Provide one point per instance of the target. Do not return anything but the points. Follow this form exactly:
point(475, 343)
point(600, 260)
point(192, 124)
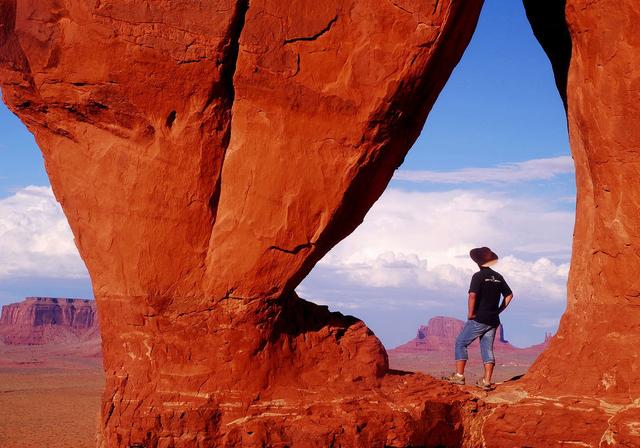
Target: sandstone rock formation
point(44, 320)
point(599, 330)
point(207, 154)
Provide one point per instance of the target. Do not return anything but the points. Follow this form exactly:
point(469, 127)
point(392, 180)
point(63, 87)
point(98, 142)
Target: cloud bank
point(35, 238)
point(418, 238)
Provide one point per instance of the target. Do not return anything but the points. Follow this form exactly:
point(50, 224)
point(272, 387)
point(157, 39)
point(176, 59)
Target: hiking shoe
point(454, 378)
point(482, 384)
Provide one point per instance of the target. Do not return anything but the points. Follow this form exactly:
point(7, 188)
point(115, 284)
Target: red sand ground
point(48, 399)
point(440, 363)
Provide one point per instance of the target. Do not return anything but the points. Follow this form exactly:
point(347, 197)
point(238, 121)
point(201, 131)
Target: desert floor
point(48, 399)
point(438, 364)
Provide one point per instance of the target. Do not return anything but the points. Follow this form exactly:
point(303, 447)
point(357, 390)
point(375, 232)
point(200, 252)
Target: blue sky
point(500, 104)
point(20, 159)
point(491, 167)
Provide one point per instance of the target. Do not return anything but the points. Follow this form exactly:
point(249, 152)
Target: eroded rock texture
point(207, 154)
point(601, 326)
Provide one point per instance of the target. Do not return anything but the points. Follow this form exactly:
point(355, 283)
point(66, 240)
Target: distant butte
point(440, 333)
point(208, 154)
point(46, 320)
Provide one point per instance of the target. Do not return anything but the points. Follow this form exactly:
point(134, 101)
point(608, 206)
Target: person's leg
point(460, 365)
point(486, 350)
point(466, 336)
point(469, 333)
point(488, 371)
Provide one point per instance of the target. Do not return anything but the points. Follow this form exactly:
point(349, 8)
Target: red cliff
point(43, 320)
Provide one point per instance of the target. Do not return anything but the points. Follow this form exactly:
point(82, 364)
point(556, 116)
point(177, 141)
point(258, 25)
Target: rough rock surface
point(598, 334)
point(44, 320)
point(206, 155)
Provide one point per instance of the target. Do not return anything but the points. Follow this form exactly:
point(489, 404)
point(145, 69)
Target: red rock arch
point(208, 154)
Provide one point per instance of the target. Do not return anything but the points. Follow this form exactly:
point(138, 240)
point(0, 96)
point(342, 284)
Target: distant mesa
point(440, 335)
point(46, 320)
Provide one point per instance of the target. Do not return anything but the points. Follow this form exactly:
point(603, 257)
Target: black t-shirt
point(488, 286)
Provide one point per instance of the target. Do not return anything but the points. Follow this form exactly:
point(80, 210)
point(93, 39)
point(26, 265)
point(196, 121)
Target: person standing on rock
point(483, 319)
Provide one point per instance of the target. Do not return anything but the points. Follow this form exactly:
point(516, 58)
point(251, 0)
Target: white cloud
point(535, 169)
point(418, 240)
point(546, 322)
point(35, 239)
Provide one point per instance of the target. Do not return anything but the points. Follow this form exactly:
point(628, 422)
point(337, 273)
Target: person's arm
point(507, 294)
point(505, 303)
point(472, 305)
point(474, 289)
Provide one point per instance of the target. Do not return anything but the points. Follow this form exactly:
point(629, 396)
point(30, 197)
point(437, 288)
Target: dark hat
point(482, 255)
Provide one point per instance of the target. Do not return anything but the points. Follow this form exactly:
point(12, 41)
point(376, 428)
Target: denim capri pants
point(470, 332)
